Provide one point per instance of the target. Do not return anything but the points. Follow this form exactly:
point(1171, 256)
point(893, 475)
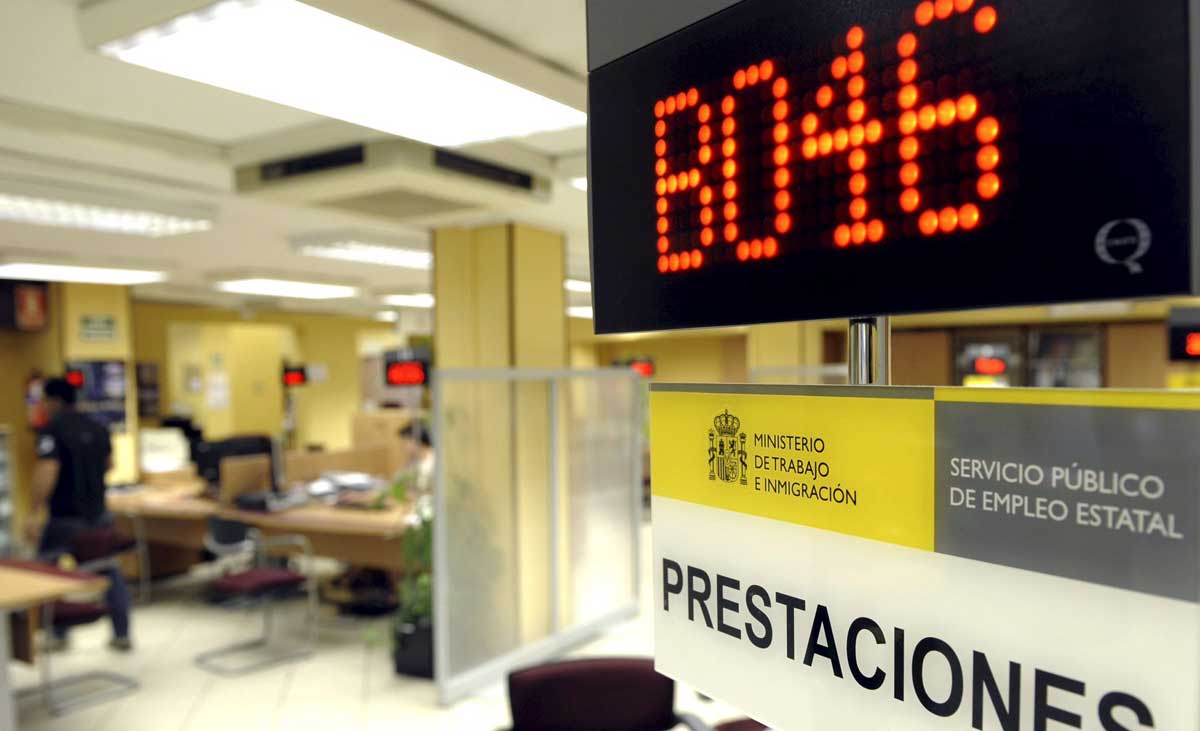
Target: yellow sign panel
point(860, 465)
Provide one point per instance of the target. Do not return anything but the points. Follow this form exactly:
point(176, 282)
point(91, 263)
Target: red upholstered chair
point(260, 584)
point(103, 547)
point(601, 694)
point(740, 724)
point(67, 614)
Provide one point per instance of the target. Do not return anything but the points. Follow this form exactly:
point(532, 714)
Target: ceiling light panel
point(580, 183)
point(578, 286)
point(369, 253)
point(66, 214)
point(294, 54)
point(270, 287)
point(420, 301)
point(37, 272)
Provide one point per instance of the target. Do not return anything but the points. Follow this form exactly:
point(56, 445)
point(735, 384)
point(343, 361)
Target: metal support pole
point(870, 351)
point(883, 351)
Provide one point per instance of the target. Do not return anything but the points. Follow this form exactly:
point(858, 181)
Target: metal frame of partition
point(453, 688)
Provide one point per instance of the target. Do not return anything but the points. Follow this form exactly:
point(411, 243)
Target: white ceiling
point(143, 134)
point(44, 63)
point(555, 30)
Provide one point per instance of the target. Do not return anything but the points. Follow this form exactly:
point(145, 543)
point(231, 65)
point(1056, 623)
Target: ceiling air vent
point(480, 169)
point(316, 162)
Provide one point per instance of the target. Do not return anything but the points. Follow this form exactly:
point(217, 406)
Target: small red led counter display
point(406, 373)
point(1183, 334)
point(875, 118)
point(295, 376)
point(784, 160)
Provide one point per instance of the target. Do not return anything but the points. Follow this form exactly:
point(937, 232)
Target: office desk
point(359, 537)
point(22, 589)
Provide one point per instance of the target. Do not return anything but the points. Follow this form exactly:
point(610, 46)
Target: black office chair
point(262, 584)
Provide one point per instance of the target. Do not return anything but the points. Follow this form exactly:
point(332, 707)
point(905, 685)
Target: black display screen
point(790, 161)
point(1184, 334)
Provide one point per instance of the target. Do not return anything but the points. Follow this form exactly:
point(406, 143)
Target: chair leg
point(49, 689)
point(213, 660)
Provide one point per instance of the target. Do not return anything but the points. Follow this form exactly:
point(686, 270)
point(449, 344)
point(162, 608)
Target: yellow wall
point(324, 410)
point(684, 359)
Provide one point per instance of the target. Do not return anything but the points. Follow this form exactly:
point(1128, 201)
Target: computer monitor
point(208, 456)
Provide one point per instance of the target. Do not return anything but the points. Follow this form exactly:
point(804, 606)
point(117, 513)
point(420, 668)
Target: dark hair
point(61, 389)
point(410, 431)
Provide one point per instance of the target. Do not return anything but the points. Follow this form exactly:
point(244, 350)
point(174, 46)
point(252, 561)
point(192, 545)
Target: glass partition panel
point(537, 507)
point(603, 460)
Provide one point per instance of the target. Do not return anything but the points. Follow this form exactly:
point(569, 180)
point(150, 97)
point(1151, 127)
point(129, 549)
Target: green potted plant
point(412, 629)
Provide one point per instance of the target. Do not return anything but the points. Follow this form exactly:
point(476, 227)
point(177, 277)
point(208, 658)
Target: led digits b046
point(733, 159)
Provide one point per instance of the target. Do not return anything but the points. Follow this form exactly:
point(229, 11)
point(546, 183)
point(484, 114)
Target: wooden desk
point(24, 589)
point(359, 537)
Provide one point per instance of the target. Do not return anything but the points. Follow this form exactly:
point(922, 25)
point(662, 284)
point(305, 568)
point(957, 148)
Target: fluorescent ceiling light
point(422, 301)
point(583, 313)
point(578, 285)
point(270, 287)
point(369, 253)
point(49, 212)
point(31, 271)
point(580, 183)
point(291, 53)
point(387, 316)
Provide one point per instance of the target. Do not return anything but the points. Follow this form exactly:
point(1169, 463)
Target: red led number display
point(707, 147)
point(406, 373)
point(1193, 344)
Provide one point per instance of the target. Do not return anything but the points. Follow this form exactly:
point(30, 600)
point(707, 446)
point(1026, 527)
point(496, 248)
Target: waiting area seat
point(601, 694)
point(261, 584)
point(59, 616)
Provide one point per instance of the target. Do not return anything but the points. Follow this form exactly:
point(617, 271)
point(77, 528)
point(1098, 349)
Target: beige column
point(782, 352)
point(501, 304)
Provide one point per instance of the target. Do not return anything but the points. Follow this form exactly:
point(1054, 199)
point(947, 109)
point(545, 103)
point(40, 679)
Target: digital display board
point(1184, 334)
point(295, 376)
point(405, 373)
point(789, 161)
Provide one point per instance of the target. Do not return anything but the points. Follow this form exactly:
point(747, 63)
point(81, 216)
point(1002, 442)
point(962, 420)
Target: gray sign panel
point(1103, 495)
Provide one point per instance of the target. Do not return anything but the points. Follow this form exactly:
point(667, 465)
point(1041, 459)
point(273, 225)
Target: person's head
point(416, 438)
point(59, 394)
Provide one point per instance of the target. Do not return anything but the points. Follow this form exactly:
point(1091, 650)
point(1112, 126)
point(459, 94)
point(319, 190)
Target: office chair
point(601, 694)
point(65, 615)
point(261, 583)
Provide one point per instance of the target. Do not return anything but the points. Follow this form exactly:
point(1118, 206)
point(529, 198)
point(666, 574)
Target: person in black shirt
point(73, 454)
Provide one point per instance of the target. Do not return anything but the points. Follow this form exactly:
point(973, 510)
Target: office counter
point(177, 517)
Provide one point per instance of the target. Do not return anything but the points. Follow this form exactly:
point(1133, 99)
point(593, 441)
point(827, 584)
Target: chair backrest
point(228, 537)
point(601, 694)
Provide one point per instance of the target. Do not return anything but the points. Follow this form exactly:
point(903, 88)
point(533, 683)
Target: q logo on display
point(1124, 241)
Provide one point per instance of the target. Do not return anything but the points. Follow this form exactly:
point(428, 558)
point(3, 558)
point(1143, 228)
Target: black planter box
point(413, 650)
